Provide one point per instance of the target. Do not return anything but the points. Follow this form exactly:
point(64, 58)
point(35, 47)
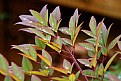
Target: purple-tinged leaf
point(119, 45)
point(46, 30)
point(66, 41)
point(65, 30)
point(38, 17)
point(66, 64)
point(89, 33)
point(113, 43)
point(17, 71)
point(32, 52)
point(56, 13)
point(26, 64)
point(92, 25)
point(47, 55)
point(109, 62)
point(58, 41)
point(76, 16)
point(3, 63)
point(85, 62)
point(87, 46)
point(113, 77)
point(35, 78)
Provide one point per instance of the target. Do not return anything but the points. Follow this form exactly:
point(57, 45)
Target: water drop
point(52, 24)
point(30, 22)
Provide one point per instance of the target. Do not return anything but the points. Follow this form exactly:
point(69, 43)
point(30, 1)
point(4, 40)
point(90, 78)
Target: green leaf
point(26, 64)
point(40, 43)
point(66, 64)
point(32, 52)
point(65, 30)
point(109, 62)
point(46, 30)
point(100, 69)
point(8, 78)
point(113, 43)
point(53, 22)
point(119, 45)
point(88, 72)
point(90, 53)
point(77, 74)
point(17, 72)
point(38, 17)
point(104, 51)
point(87, 46)
point(48, 37)
point(92, 25)
point(85, 62)
point(35, 78)
point(3, 63)
point(112, 77)
point(66, 41)
point(72, 77)
point(89, 33)
point(58, 41)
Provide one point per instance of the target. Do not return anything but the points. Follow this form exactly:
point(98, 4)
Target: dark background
point(9, 15)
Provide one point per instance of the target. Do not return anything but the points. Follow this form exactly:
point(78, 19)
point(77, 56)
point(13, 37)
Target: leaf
point(21, 48)
point(46, 30)
point(92, 25)
point(59, 79)
point(87, 46)
point(47, 55)
point(119, 45)
point(109, 62)
point(65, 30)
point(100, 69)
point(48, 37)
point(88, 72)
point(52, 22)
point(89, 33)
point(38, 17)
point(66, 41)
point(8, 78)
point(3, 63)
point(85, 62)
point(45, 59)
point(112, 77)
point(76, 16)
point(56, 13)
point(17, 72)
point(65, 71)
point(28, 56)
point(41, 73)
point(32, 52)
point(77, 74)
point(26, 64)
point(40, 43)
point(72, 77)
point(104, 51)
point(66, 64)
point(90, 53)
point(58, 41)
point(113, 43)
point(76, 33)
point(35, 78)
point(2, 71)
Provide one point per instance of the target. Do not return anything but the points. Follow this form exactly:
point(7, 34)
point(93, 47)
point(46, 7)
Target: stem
point(76, 63)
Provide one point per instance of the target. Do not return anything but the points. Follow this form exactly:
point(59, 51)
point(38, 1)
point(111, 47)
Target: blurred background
point(11, 9)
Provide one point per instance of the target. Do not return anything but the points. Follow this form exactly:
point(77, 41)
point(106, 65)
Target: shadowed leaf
point(35, 78)
point(112, 77)
point(85, 62)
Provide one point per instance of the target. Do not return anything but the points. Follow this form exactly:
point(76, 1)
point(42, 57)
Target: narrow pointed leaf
point(100, 69)
point(112, 77)
point(35, 78)
point(109, 62)
point(59, 42)
point(119, 45)
point(26, 64)
point(3, 63)
point(66, 64)
point(92, 25)
point(89, 33)
point(17, 72)
point(113, 43)
point(38, 17)
point(45, 59)
point(72, 77)
point(77, 74)
point(76, 16)
point(40, 43)
point(88, 72)
point(87, 46)
point(65, 30)
point(65, 71)
point(32, 52)
point(85, 62)
point(35, 73)
point(66, 41)
point(48, 37)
